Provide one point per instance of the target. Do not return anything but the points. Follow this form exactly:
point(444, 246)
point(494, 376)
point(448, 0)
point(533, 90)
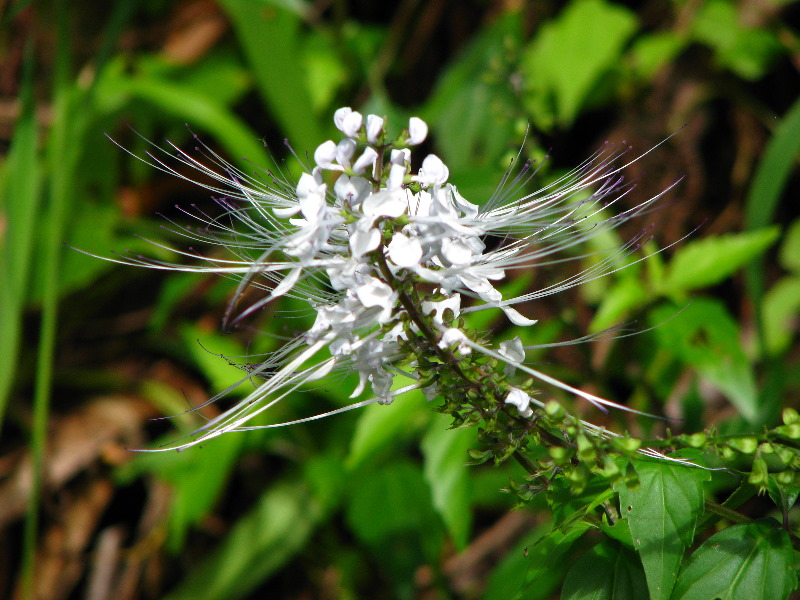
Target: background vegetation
point(377, 503)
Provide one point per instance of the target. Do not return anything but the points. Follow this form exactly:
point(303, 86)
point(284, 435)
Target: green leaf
point(607, 571)
point(571, 55)
point(745, 51)
point(752, 561)
point(469, 109)
point(662, 513)
point(261, 542)
point(20, 198)
point(445, 453)
point(711, 260)
point(704, 337)
point(389, 510)
point(380, 426)
point(651, 52)
point(626, 295)
point(789, 256)
point(780, 309)
point(271, 38)
point(545, 556)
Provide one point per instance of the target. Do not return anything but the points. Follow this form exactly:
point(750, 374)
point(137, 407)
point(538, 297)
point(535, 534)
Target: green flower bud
point(785, 477)
point(586, 451)
point(559, 454)
point(727, 453)
point(745, 445)
point(626, 444)
point(758, 475)
point(790, 416)
point(554, 410)
point(697, 440)
point(791, 431)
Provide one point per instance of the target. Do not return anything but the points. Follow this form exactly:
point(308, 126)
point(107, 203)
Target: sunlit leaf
point(571, 54)
point(445, 452)
point(708, 261)
point(662, 513)
point(705, 338)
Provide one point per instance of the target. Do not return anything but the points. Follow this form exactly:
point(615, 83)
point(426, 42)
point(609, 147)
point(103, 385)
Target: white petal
point(325, 154)
point(340, 115)
point(397, 175)
point(367, 159)
point(433, 171)
point(374, 292)
point(405, 251)
point(363, 240)
point(286, 212)
point(351, 124)
point(417, 131)
point(517, 318)
point(513, 349)
point(387, 203)
point(521, 400)
point(456, 252)
point(374, 128)
point(287, 283)
point(345, 151)
point(453, 303)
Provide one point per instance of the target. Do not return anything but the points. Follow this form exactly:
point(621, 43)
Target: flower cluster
point(392, 260)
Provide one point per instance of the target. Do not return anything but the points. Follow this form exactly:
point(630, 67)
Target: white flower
point(367, 159)
point(405, 251)
point(454, 336)
point(374, 128)
point(433, 171)
point(325, 154)
point(390, 271)
point(522, 401)
point(417, 131)
point(347, 121)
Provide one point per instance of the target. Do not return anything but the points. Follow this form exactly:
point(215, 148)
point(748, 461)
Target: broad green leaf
point(790, 248)
point(780, 309)
point(750, 561)
point(261, 542)
point(571, 55)
point(651, 52)
point(379, 426)
point(389, 510)
point(626, 295)
point(745, 51)
point(608, 571)
point(545, 558)
point(704, 337)
point(388, 500)
point(469, 110)
point(216, 355)
point(197, 478)
point(445, 453)
point(20, 197)
point(711, 260)
point(662, 513)
point(272, 40)
point(765, 193)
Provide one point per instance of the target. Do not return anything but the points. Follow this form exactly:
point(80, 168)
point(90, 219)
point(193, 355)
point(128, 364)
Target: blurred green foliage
point(379, 503)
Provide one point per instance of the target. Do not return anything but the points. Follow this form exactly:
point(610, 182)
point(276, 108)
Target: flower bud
point(345, 151)
point(745, 445)
point(367, 159)
point(325, 154)
point(790, 416)
point(417, 131)
point(374, 128)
